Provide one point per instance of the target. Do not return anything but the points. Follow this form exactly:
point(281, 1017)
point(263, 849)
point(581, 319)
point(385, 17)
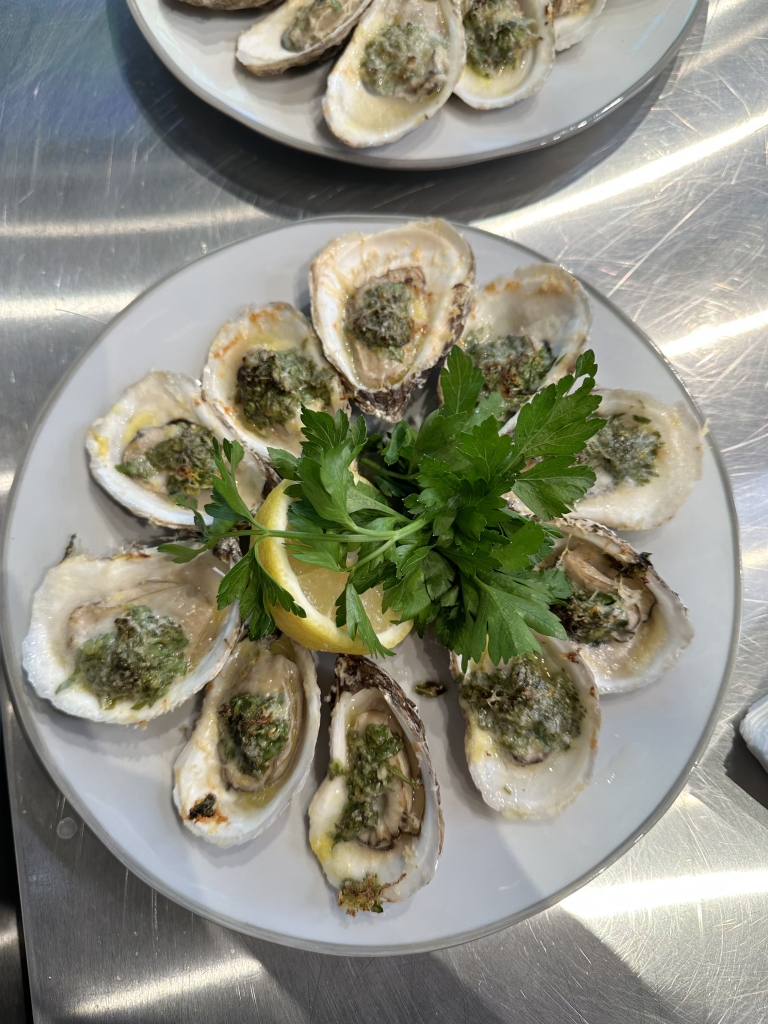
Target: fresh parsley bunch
point(430, 523)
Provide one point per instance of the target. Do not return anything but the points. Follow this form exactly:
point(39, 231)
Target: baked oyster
point(253, 745)
point(531, 729)
point(399, 68)
point(526, 331)
point(375, 823)
point(297, 32)
point(646, 459)
point(574, 19)
point(510, 51)
point(626, 623)
point(127, 638)
point(389, 306)
point(261, 369)
point(154, 448)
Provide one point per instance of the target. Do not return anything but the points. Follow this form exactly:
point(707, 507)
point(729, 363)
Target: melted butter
point(140, 421)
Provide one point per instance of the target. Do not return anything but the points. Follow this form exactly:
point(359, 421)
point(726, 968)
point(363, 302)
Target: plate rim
point(365, 158)
point(25, 716)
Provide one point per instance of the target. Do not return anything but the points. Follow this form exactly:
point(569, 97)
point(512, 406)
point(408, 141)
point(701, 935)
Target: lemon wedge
point(315, 589)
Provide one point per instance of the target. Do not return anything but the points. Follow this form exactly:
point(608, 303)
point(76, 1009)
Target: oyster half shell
point(525, 778)
point(489, 85)
point(754, 729)
point(624, 620)
point(261, 368)
point(399, 68)
point(298, 32)
point(389, 306)
point(159, 410)
point(646, 459)
point(227, 5)
point(394, 852)
point(574, 19)
point(216, 798)
point(526, 331)
point(84, 604)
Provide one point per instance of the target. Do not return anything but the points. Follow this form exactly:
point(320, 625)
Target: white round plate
point(631, 43)
point(492, 871)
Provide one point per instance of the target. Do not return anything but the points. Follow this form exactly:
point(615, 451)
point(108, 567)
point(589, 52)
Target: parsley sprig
point(430, 523)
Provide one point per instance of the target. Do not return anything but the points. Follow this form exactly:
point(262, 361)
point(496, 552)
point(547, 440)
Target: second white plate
point(492, 871)
point(632, 42)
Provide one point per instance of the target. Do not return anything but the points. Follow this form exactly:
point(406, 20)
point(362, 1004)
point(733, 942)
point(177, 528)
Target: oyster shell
point(388, 307)
point(167, 410)
point(626, 623)
point(647, 460)
point(495, 74)
point(127, 638)
point(574, 19)
point(261, 368)
point(296, 33)
point(534, 773)
point(228, 5)
point(754, 729)
point(387, 849)
point(221, 794)
point(526, 331)
point(399, 68)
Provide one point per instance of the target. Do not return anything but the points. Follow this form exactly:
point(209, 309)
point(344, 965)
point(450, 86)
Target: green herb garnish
point(271, 386)
point(531, 711)
point(591, 618)
point(186, 457)
point(625, 451)
point(253, 731)
point(137, 661)
point(361, 895)
point(431, 689)
point(369, 771)
point(498, 34)
point(405, 60)
point(431, 524)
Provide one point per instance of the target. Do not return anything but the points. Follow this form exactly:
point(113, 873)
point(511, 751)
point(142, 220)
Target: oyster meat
point(399, 68)
point(646, 459)
point(531, 729)
point(510, 51)
point(389, 306)
point(154, 446)
point(253, 745)
point(628, 626)
point(526, 331)
point(296, 33)
point(127, 638)
point(574, 19)
point(261, 369)
point(375, 823)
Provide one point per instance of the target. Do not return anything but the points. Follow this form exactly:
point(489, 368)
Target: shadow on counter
point(292, 184)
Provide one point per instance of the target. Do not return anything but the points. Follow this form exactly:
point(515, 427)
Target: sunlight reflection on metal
point(179, 220)
point(100, 306)
point(630, 897)
point(147, 996)
point(754, 558)
point(703, 337)
point(509, 223)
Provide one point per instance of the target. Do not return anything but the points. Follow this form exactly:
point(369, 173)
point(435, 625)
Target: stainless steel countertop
point(112, 176)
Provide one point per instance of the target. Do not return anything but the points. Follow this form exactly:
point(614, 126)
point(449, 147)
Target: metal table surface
point(113, 175)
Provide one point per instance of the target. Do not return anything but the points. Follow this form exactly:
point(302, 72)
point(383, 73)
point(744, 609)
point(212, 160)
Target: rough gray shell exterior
point(389, 404)
point(228, 5)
